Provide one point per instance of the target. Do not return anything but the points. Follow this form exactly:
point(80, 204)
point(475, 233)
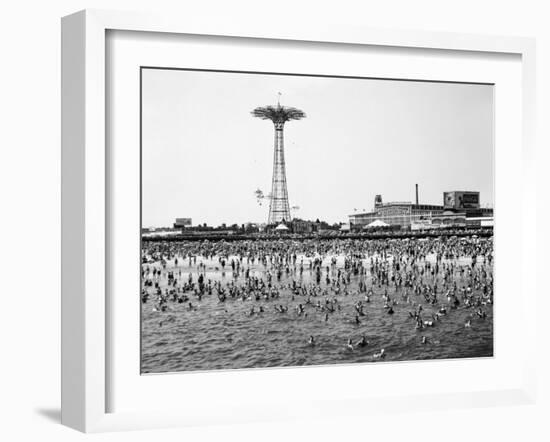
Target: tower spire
point(279, 207)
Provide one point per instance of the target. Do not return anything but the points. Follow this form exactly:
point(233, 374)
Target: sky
point(204, 155)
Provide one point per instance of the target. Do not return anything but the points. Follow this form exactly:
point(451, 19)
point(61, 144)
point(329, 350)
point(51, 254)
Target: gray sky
point(204, 155)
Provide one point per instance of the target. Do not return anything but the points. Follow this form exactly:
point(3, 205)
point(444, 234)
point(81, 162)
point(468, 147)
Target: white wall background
point(30, 214)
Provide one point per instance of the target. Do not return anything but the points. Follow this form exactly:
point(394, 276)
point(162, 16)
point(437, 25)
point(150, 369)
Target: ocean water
point(222, 335)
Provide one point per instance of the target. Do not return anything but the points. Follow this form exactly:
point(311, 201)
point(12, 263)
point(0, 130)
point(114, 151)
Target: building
point(481, 221)
point(457, 207)
point(302, 226)
point(182, 223)
point(467, 202)
point(396, 214)
point(461, 200)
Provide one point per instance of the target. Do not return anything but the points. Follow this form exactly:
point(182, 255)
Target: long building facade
point(453, 212)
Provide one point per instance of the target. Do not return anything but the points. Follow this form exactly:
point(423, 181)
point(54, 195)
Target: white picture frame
point(85, 309)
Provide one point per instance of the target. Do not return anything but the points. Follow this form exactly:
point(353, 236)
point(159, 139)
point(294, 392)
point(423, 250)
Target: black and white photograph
point(305, 220)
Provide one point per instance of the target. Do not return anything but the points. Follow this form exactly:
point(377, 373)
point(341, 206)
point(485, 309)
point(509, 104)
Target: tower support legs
point(279, 208)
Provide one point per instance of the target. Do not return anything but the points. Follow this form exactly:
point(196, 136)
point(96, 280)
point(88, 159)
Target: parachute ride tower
point(279, 207)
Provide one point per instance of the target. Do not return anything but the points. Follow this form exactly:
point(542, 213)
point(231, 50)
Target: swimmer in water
point(311, 341)
point(362, 342)
point(481, 314)
point(380, 355)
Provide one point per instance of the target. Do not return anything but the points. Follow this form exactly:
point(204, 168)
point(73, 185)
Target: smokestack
point(416, 185)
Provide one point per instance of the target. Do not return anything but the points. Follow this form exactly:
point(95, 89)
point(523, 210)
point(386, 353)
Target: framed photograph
point(283, 222)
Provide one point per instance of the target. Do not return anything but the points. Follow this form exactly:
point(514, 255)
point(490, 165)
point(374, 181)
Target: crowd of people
point(324, 280)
